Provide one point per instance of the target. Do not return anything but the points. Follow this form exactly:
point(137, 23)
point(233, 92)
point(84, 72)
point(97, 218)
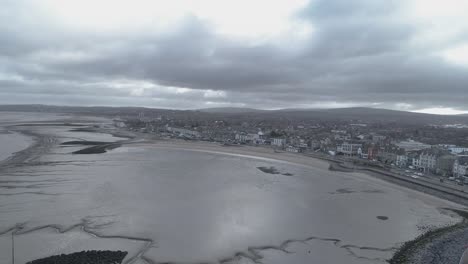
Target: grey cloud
point(360, 53)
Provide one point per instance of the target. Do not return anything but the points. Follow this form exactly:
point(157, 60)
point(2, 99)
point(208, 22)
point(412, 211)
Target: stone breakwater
point(93, 256)
point(444, 245)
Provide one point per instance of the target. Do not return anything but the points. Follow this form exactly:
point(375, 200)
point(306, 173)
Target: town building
point(349, 149)
point(425, 161)
point(364, 153)
point(387, 156)
point(412, 145)
point(457, 150)
point(280, 142)
point(460, 166)
point(401, 160)
point(293, 149)
point(434, 160)
point(183, 132)
point(372, 152)
point(241, 137)
point(254, 138)
point(378, 138)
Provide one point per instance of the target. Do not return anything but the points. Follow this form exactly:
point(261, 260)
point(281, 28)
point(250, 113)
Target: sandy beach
point(220, 204)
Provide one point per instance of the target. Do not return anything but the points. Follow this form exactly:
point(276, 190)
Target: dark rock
point(84, 257)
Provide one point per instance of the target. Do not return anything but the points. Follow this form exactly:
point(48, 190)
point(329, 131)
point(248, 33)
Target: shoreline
point(431, 244)
point(441, 245)
point(247, 151)
point(441, 192)
point(409, 249)
point(39, 144)
point(19, 142)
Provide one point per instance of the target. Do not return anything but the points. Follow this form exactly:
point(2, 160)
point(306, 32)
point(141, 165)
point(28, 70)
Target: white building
point(183, 132)
point(259, 138)
point(412, 145)
point(250, 138)
point(349, 148)
point(401, 160)
point(280, 142)
point(241, 137)
point(293, 149)
point(457, 150)
point(425, 161)
point(460, 167)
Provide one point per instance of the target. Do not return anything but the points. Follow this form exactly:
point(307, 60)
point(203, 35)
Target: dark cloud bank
point(360, 53)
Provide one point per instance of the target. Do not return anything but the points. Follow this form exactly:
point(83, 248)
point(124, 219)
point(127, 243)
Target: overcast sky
point(185, 54)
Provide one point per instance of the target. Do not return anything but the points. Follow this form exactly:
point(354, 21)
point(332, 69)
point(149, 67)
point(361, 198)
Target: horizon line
point(418, 111)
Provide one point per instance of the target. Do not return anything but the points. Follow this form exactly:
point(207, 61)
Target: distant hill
point(231, 110)
point(364, 115)
point(105, 110)
point(353, 115)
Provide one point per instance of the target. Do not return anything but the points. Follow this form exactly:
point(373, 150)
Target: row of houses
point(437, 160)
point(183, 132)
point(289, 145)
point(251, 138)
point(261, 139)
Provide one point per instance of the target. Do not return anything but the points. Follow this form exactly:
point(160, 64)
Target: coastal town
point(233, 132)
point(438, 151)
point(378, 172)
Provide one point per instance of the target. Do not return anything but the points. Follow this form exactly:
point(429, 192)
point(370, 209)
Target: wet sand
point(12, 142)
point(436, 245)
point(247, 151)
point(191, 202)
